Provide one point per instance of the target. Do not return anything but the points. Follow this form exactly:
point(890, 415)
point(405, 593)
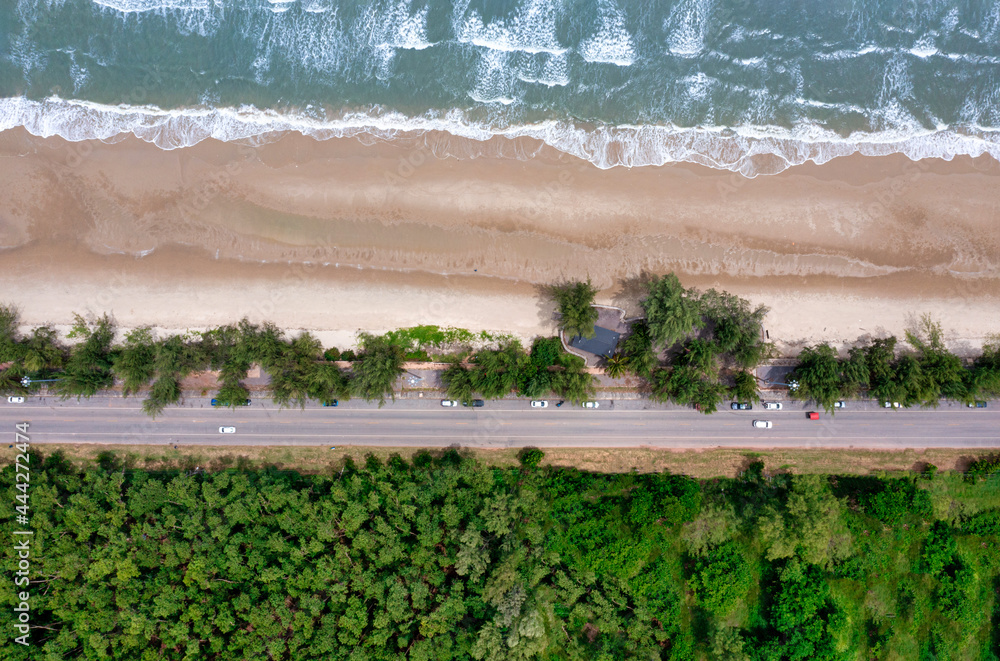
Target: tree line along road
point(503, 423)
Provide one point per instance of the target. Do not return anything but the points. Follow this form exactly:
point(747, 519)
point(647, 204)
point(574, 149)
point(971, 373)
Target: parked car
point(20, 400)
point(477, 403)
point(976, 404)
point(762, 424)
point(891, 405)
point(227, 430)
point(331, 402)
point(772, 406)
point(741, 406)
point(813, 415)
point(448, 402)
point(591, 405)
point(539, 404)
point(840, 405)
point(215, 402)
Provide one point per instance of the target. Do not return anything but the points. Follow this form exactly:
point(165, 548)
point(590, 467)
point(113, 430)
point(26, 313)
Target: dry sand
point(338, 236)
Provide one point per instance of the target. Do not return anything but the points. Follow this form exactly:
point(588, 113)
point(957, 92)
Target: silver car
point(227, 430)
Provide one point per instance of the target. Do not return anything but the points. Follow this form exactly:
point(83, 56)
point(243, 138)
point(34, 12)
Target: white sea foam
point(739, 149)
point(135, 6)
point(686, 27)
point(494, 78)
point(543, 69)
point(924, 48)
point(395, 25)
point(612, 44)
point(531, 30)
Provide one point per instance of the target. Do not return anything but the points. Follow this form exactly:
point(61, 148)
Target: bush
point(332, 354)
point(530, 457)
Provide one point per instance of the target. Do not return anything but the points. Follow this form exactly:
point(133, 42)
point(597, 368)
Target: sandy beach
point(336, 236)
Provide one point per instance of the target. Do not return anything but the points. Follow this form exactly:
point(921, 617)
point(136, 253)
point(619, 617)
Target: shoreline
point(339, 236)
point(749, 149)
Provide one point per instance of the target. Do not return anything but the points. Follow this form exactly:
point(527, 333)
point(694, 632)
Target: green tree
point(745, 387)
point(637, 347)
point(818, 376)
point(577, 315)
point(722, 579)
point(616, 365)
point(672, 312)
point(457, 380)
point(570, 381)
point(134, 363)
point(855, 372)
point(881, 356)
point(10, 319)
point(42, 351)
point(376, 371)
point(942, 372)
point(701, 355)
point(88, 369)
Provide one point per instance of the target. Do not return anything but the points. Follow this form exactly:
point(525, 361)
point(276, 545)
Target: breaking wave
point(749, 150)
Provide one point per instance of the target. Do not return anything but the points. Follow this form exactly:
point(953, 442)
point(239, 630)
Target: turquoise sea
point(746, 85)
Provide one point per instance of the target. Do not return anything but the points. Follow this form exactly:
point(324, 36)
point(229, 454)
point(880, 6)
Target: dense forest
point(445, 558)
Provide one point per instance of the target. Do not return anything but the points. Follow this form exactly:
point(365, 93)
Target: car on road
point(477, 403)
point(762, 424)
point(891, 405)
point(741, 406)
point(227, 430)
point(539, 404)
point(215, 402)
point(591, 405)
point(772, 406)
point(448, 403)
point(15, 400)
point(976, 404)
point(840, 405)
point(812, 415)
point(331, 402)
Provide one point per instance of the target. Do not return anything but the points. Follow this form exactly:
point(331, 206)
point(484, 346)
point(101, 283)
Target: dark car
point(330, 402)
point(476, 403)
point(741, 406)
point(978, 405)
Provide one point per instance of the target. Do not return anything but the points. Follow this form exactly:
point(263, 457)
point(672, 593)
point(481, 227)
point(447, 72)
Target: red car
point(813, 415)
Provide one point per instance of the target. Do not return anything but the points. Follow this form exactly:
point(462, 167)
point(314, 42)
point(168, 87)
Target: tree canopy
point(442, 557)
point(577, 315)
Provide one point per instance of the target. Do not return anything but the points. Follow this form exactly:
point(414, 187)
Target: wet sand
point(338, 236)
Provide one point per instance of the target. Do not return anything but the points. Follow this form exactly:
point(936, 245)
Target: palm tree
point(615, 366)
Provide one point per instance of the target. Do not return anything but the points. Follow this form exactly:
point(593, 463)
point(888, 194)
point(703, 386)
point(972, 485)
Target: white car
point(539, 404)
point(772, 406)
point(449, 402)
point(16, 400)
point(891, 405)
point(227, 430)
point(840, 405)
point(591, 405)
point(762, 424)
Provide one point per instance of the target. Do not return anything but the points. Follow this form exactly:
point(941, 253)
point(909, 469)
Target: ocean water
point(753, 86)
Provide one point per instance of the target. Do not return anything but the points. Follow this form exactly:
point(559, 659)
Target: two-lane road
point(506, 423)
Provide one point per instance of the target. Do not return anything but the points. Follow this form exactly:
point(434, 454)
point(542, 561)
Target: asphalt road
point(505, 423)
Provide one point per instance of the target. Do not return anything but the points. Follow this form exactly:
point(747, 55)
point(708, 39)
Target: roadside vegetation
point(445, 557)
point(690, 348)
point(921, 375)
